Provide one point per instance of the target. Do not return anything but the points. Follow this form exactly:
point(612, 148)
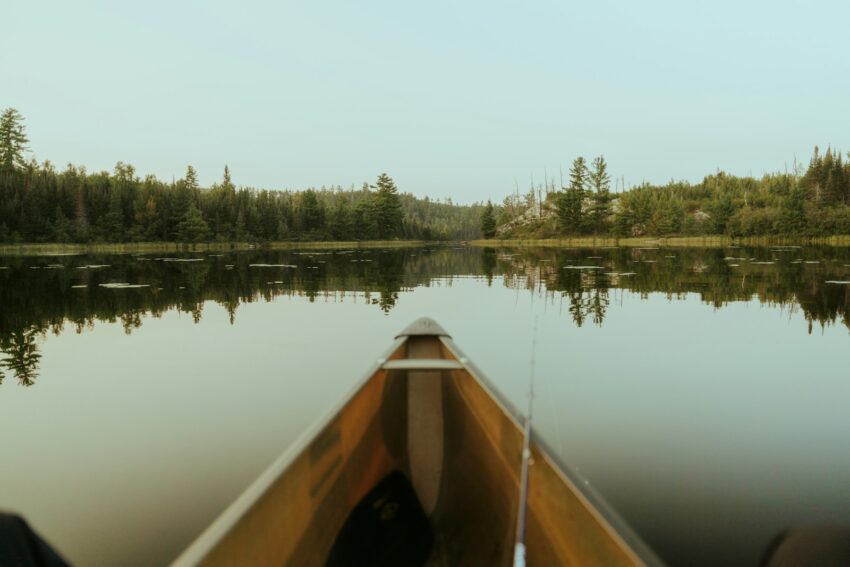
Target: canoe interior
point(460, 448)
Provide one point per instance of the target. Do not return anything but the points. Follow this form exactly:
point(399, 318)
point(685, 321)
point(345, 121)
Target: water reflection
point(43, 294)
point(814, 280)
point(20, 356)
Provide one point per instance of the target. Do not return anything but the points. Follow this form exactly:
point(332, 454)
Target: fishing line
point(522, 507)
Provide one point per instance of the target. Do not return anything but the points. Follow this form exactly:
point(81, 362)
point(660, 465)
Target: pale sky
point(450, 98)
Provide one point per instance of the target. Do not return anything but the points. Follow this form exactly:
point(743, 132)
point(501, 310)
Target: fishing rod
point(522, 509)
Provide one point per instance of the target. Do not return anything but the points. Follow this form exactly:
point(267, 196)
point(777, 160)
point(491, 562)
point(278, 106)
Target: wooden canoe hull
point(459, 444)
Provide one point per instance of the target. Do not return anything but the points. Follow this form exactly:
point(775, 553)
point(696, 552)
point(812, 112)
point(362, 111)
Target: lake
point(704, 392)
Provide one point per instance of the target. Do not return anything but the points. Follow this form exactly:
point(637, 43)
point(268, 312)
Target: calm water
point(703, 392)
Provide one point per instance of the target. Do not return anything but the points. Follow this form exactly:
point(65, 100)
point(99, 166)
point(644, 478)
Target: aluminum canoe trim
point(617, 526)
point(233, 514)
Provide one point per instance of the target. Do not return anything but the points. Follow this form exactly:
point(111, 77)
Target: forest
point(810, 203)
point(39, 203)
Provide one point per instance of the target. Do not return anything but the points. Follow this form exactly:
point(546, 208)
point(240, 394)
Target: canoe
point(419, 465)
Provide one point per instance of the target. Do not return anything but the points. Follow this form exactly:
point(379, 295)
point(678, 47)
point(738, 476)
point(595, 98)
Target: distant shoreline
point(47, 248)
point(54, 248)
point(668, 241)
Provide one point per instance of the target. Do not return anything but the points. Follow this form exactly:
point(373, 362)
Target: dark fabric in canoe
point(388, 528)
point(20, 546)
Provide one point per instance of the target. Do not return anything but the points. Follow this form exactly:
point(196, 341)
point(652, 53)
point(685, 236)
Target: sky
point(453, 99)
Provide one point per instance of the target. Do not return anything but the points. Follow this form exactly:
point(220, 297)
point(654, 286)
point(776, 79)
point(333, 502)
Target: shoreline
point(47, 249)
point(54, 248)
point(664, 242)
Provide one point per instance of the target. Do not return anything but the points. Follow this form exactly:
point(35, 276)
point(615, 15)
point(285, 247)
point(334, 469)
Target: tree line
point(812, 203)
point(39, 203)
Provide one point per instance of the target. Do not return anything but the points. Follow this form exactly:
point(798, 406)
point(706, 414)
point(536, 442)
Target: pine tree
point(571, 199)
point(223, 205)
point(339, 221)
point(310, 212)
point(226, 183)
point(600, 183)
point(363, 220)
point(183, 198)
point(387, 208)
point(113, 222)
point(13, 140)
point(61, 226)
point(812, 181)
point(190, 180)
point(835, 184)
point(193, 227)
point(241, 226)
point(792, 212)
point(488, 221)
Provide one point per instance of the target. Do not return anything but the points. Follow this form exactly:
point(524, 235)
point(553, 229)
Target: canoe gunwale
point(596, 503)
point(201, 547)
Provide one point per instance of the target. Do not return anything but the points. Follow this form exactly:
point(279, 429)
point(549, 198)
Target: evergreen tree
point(812, 181)
point(219, 208)
point(13, 139)
point(339, 221)
point(310, 212)
point(570, 200)
point(77, 182)
point(183, 198)
point(721, 210)
point(226, 182)
point(488, 221)
point(193, 227)
point(792, 212)
point(113, 222)
point(387, 208)
point(600, 183)
point(61, 226)
point(190, 180)
point(241, 226)
point(363, 220)
point(835, 181)
point(598, 177)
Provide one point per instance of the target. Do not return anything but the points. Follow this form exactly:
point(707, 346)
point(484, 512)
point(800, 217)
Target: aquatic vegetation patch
point(122, 285)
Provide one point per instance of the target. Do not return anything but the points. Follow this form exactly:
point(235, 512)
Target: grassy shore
point(46, 249)
point(671, 241)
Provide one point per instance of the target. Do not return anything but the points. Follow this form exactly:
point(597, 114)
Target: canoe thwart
point(422, 364)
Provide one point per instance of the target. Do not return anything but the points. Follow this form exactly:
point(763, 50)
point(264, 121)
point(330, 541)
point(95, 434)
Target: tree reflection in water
point(21, 355)
point(43, 294)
